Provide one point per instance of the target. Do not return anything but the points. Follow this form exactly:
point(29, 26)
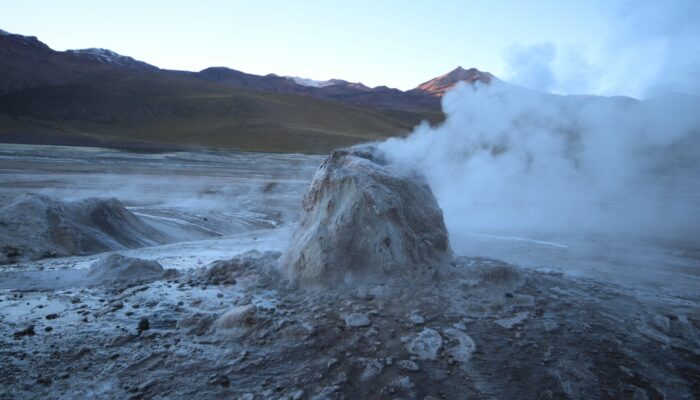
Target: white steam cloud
point(652, 50)
point(509, 159)
point(514, 161)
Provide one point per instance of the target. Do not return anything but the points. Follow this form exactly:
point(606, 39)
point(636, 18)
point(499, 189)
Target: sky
point(395, 43)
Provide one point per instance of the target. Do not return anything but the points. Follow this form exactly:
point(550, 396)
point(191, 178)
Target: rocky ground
point(367, 301)
point(237, 329)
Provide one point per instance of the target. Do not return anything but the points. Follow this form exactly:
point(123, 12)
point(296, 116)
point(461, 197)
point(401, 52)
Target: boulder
point(116, 268)
point(237, 317)
point(425, 345)
point(226, 272)
point(362, 220)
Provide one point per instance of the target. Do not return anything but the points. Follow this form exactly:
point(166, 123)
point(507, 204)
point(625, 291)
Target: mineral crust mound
point(363, 220)
point(35, 226)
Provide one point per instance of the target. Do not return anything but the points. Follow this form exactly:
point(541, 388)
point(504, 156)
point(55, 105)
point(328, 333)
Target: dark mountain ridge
point(96, 96)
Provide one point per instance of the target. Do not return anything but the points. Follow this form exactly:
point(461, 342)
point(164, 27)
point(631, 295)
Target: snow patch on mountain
point(105, 56)
point(315, 83)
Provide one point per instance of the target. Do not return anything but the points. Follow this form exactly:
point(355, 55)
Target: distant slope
point(380, 97)
point(25, 62)
point(134, 109)
point(98, 97)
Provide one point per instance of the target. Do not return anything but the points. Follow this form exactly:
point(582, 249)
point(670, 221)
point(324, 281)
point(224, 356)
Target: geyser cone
point(363, 221)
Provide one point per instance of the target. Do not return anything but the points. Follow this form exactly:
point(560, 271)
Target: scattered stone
point(51, 316)
point(372, 368)
point(498, 272)
point(550, 326)
point(116, 268)
point(237, 317)
point(382, 291)
point(662, 323)
point(197, 324)
point(297, 394)
point(226, 272)
point(426, 345)
point(43, 380)
point(144, 325)
point(220, 380)
point(464, 346)
point(416, 319)
point(517, 319)
point(121, 340)
point(408, 365)
point(403, 382)
point(356, 320)
point(326, 393)
point(170, 274)
point(28, 331)
point(460, 325)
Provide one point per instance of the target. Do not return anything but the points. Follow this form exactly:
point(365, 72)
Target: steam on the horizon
point(651, 51)
point(511, 159)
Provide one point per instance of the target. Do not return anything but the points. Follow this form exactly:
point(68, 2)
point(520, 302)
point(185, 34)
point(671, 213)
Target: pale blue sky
point(396, 43)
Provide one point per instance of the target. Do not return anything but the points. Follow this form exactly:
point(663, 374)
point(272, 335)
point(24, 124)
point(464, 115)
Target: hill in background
point(97, 97)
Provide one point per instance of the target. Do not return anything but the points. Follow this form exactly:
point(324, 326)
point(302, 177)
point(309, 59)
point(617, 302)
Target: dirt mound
point(361, 221)
point(35, 226)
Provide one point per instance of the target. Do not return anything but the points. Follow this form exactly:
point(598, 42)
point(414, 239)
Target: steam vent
point(363, 221)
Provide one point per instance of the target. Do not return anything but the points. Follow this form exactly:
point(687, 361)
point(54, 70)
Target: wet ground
point(585, 317)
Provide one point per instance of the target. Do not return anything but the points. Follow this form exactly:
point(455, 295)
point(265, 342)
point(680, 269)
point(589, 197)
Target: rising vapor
point(509, 159)
point(651, 51)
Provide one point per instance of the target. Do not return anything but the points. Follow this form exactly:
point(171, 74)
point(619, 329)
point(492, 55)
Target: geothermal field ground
point(217, 299)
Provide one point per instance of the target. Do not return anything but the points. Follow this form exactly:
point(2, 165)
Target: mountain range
point(98, 97)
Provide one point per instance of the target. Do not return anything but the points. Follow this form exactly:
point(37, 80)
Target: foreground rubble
point(491, 331)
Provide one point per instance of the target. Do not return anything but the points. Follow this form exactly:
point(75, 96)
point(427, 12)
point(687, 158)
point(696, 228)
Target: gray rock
point(227, 271)
point(463, 346)
point(402, 382)
point(197, 324)
point(116, 268)
point(297, 394)
point(517, 319)
point(408, 365)
point(460, 325)
point(371, 369)
point(416, 319)
point(550, 326)
point(121, 340)
point(662, 323)
point(363, 221)
point(356, 320)
point(497, 272)
point(237, 317)
point(425, 345)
